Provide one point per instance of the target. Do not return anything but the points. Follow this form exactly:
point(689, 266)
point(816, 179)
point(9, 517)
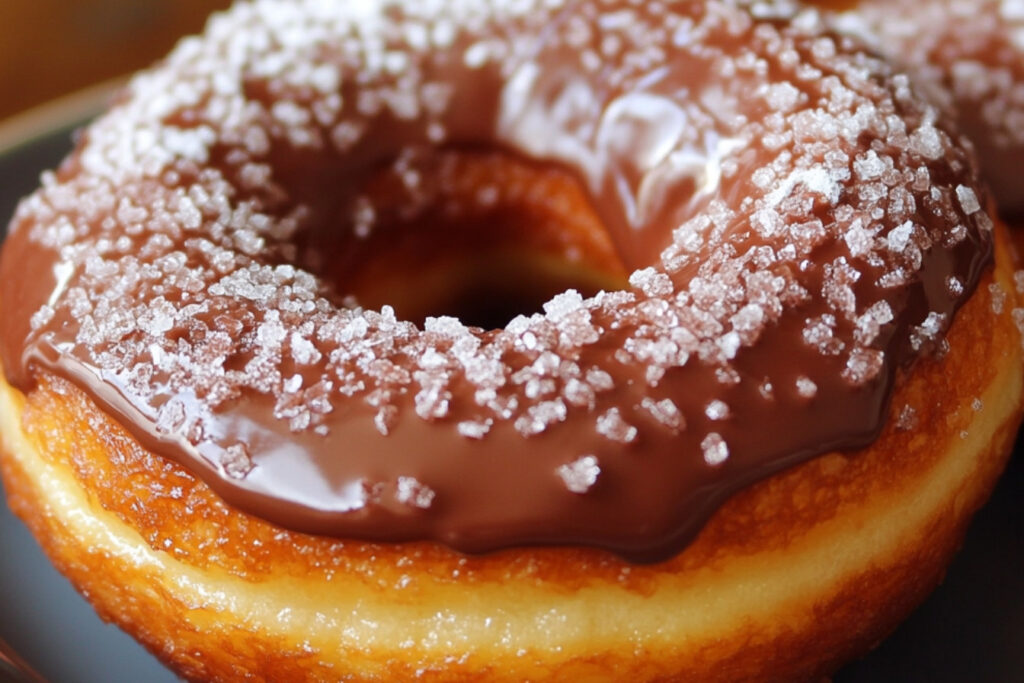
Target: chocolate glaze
point(970, 57)
point(798, 225)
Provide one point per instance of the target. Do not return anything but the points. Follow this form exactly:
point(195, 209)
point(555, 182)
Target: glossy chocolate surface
point(797, 225)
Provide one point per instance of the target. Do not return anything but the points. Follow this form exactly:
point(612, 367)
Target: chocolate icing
point(797, 224)
point(969, 55)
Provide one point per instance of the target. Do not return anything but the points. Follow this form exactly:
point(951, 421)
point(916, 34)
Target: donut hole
point(486, 289)
point(480, 236)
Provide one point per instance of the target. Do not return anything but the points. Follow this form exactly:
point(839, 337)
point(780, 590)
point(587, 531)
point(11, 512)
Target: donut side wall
point(790, 578)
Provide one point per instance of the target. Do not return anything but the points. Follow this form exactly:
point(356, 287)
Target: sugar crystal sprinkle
point(612, 426)
point(190, 272)
point(345, 345)
point(969, 54)
point(805, 387)
point(410, 491)
point(581, 474)
point(907, 418)
point(717, 410)
point(716, 451)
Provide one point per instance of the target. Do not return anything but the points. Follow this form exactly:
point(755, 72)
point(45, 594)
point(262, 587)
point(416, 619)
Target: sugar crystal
point(612, 426)
point(412, 492)
point(715, 449)
point(717, 410)
point(190, 261)
point(581, 474)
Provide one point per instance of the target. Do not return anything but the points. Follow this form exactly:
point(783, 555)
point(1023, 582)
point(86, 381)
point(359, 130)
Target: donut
point(515, 340)
point(969, 56)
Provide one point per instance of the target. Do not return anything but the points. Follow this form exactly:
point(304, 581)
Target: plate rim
point(27, 126)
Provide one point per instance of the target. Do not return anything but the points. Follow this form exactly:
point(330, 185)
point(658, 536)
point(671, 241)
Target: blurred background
point(50, 48)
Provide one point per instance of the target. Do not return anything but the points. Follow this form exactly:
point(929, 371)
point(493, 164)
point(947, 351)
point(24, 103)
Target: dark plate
point(971, 629)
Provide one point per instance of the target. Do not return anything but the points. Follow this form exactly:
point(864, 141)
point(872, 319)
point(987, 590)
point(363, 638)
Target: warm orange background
point(53, 47)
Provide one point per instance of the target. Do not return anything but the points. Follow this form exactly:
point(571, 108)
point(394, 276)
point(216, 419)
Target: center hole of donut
point(482, 237)
point(487, 289)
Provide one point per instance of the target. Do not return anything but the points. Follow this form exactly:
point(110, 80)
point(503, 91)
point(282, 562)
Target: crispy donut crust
point(791, 578)
point(1017, 232)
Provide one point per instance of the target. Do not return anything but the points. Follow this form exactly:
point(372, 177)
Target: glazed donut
point(228, 426)
point(969, 56)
